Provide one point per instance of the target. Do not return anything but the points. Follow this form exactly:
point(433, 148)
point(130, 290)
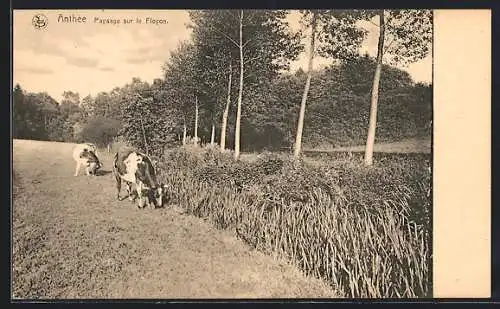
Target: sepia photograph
point(246, 154)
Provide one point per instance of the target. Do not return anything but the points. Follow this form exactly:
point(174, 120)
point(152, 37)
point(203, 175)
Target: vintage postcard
point(248, 154)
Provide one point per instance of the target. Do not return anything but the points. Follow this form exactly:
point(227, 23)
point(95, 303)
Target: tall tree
point(370, 140)
point(226, 108)
point(237, 132)
point(410, 35)
point(196, 116)
point(300, 125)
point(337, 36)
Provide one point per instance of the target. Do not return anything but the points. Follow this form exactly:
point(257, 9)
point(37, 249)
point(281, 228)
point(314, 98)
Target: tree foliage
point(258, 42)
point(183, 81)
point(148, 122)
point(100, 130)
point(39, 116)
point(408, 36)
point(339, 35)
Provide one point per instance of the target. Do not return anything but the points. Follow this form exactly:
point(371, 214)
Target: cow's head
point(93, 163)
point(93, 167)
point(146, 174)
point(159, 195)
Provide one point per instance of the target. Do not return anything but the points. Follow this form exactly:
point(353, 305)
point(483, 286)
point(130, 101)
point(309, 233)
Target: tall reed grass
point(366, 231)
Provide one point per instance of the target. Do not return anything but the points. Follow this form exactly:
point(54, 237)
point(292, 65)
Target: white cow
point(86, 154)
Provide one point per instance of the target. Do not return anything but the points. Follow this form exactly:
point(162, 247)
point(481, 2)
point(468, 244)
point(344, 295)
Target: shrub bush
point(100, 130)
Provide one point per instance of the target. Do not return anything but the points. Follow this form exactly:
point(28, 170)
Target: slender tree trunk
point(196, 121)
point(240, 95)
point(372, 125)
point(212, 137)
point(300, 125)
point(184, 133)
point(226, 112)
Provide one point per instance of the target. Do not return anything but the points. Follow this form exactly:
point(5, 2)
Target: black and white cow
point(86, 155)
point(131, 167)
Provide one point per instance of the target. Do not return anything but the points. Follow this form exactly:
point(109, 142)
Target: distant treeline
point(337, 114)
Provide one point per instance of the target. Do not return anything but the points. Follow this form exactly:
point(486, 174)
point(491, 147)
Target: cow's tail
point(115, 161)
point(99, 163)
point(117, 176)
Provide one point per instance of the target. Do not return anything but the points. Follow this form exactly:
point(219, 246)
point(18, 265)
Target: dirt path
point(72, 239)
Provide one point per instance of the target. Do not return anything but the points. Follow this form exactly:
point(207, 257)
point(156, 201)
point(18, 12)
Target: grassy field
point(72, 239)
point(411, 145)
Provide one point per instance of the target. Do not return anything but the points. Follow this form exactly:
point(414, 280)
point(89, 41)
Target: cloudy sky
point(97, 56)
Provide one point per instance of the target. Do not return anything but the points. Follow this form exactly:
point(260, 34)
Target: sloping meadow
point(366, 231)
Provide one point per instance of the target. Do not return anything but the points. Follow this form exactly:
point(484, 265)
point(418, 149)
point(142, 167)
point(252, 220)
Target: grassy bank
point(366, 231)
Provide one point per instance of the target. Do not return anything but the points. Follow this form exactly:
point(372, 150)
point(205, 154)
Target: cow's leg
point(139, 188)
point(131, 197)
point(151, 200)
point(118, 187)
point(118, 182)
point(77, 168)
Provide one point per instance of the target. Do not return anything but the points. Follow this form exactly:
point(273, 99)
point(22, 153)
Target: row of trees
point(237, 61)
point(256, 45)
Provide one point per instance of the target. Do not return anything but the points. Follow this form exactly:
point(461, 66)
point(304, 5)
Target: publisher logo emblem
point(40, 21)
